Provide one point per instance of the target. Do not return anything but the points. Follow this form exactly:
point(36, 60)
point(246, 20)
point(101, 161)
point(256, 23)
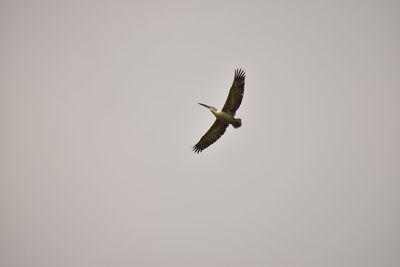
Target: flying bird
point(226, 116)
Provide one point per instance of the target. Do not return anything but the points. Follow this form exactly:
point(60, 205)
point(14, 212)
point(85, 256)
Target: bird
point(226, 116)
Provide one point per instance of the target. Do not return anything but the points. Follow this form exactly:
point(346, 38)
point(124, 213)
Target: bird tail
point(238, 124)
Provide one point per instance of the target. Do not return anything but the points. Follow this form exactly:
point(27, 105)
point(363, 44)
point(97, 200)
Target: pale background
point(98, 113)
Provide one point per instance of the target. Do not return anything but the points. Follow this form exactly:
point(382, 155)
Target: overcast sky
point(98, 114)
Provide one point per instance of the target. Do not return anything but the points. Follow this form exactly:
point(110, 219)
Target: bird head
point(211, 108)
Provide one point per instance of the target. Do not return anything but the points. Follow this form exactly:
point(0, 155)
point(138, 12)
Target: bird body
point(226, 116)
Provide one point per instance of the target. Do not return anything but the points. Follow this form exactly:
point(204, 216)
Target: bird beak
point(204, 105)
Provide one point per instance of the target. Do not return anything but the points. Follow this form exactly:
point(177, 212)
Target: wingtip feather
point(240, 73)
point(197, 150)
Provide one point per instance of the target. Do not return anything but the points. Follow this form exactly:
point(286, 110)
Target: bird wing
point(213, 134)
point(235, 96)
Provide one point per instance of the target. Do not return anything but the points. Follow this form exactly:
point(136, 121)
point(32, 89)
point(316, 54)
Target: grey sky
point(98, 113)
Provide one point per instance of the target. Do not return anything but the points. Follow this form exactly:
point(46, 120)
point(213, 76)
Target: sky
point(99, 113)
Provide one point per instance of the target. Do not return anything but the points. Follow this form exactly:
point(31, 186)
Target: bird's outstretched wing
point(235, 96)
point(213, 134)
